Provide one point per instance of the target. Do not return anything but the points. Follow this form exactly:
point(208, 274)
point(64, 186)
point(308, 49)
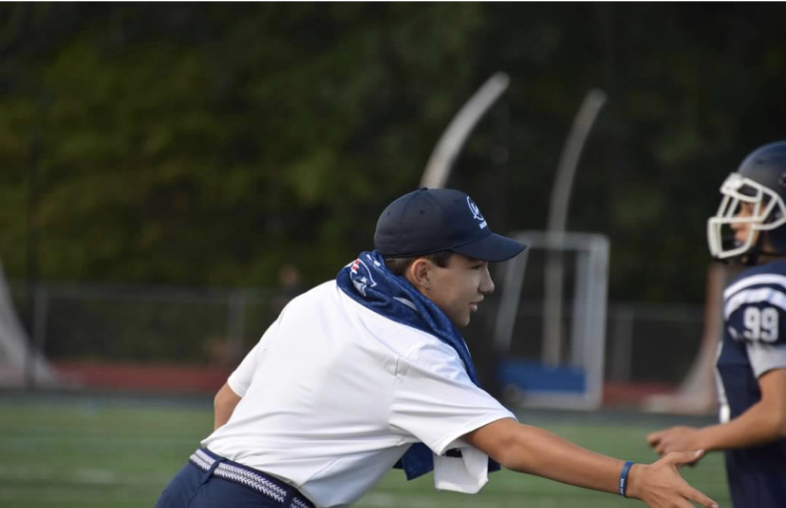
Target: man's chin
point(460, 320)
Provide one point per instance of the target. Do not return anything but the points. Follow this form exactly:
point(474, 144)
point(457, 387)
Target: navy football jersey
point(754, 342)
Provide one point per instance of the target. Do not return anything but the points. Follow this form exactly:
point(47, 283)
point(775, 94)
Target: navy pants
point(193, 487)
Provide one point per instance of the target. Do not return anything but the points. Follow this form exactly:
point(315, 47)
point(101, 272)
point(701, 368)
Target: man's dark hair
point(399, 265)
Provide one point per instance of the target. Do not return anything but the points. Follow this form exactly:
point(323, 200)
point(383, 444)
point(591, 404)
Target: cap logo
point(473, 208)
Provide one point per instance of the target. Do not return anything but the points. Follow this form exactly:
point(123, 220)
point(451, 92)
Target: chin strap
point(753, 256)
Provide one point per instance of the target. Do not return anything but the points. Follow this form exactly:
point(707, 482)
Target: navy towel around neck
point(370, 283)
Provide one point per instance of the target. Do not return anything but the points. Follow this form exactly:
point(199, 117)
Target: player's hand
point(661, 486)
point(675, 439)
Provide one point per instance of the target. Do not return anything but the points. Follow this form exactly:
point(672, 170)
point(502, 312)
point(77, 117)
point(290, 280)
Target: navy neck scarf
point(370, 283)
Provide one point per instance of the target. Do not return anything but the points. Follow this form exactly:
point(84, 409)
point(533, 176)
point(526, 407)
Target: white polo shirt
point(334, 394)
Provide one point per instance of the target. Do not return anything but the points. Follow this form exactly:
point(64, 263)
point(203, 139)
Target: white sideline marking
point(96, 477)
point(80, 477)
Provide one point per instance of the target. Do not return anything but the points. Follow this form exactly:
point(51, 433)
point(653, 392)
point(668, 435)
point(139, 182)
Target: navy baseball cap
point(432, 220)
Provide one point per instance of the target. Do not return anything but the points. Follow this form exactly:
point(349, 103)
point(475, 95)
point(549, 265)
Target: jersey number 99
point(761, 324)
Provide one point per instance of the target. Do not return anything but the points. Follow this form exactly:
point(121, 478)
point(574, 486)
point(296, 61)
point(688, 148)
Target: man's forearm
point(756, 426)
point(536, 451)
point(540, 452)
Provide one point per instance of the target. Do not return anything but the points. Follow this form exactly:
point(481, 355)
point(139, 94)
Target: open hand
point(661, 486)
point(674, 439)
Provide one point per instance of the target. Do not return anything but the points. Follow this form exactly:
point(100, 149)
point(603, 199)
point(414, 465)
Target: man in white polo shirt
point(369, 371)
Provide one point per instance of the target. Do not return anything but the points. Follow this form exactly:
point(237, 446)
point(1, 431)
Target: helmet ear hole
point(782, 180)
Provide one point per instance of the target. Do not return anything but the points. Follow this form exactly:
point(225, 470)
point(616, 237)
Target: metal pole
point(449, 145)
point(39, 335)
point(236, 315)
point(558, 212)
point(623, 343)
point(507, 311)
point(32, 248)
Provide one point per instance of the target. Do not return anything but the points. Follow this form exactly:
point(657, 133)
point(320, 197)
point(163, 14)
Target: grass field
point(78, 451)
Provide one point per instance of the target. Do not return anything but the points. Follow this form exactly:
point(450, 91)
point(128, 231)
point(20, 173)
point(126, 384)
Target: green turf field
point(77, 452)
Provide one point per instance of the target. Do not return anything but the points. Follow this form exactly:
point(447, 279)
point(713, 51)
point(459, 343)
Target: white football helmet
point(760, 182)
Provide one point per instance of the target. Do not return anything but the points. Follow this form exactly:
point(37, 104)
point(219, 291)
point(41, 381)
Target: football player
point(749, 228)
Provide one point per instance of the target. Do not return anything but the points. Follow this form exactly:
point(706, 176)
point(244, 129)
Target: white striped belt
point(244, 475)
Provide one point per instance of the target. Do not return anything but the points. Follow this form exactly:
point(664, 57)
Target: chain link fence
point(210, 330)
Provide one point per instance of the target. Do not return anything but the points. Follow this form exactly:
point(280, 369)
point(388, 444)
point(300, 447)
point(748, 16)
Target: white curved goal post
point(19, 365)
point(575, 381)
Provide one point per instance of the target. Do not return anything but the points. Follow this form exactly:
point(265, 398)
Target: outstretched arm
point(224, 405)
point(537, 451)
point(762, 423)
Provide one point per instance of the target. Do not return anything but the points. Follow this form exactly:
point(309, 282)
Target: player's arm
point(224, 405)
point(762, 423)
point(537, 451)
point(228, 397)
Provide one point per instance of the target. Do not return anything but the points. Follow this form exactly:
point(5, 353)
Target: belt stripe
point(298, 503)
point(201, 462)
point(229, 469)
point(244, 477)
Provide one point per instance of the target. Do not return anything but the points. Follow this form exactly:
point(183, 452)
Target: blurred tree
point(211, 144)
point(214, 143)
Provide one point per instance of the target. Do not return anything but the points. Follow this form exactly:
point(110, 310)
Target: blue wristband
point(623, 485)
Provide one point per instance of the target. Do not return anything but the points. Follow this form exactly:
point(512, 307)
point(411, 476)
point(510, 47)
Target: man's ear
point(419, 273)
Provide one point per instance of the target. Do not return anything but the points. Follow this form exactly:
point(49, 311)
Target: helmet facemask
point(768, 213)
